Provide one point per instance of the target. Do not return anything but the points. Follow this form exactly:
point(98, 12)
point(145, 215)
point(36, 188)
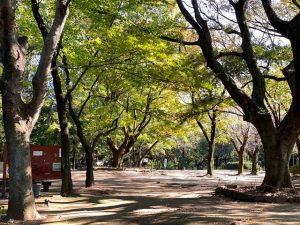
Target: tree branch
point(39, 81)
point(279, 24)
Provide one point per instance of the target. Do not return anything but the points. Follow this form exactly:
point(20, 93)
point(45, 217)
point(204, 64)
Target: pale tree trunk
point(19, 117)
point(21, 200)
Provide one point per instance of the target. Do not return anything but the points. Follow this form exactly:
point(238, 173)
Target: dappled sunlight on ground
point(160, 197)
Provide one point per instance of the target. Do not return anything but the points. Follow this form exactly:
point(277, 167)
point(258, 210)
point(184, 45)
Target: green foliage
point(234, 165)
point(295, 169)
point(2, 210)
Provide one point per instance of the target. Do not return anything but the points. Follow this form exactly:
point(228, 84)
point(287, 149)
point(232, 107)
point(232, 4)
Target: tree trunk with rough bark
point(117, 156)
point(67, 186)
point(254, 159)
point(20, 117)
point(277, 139)
point(210, 159)
point(241, 162)
point(21, 204)
point(210, 139)
point(277, 165)
point(89, 181)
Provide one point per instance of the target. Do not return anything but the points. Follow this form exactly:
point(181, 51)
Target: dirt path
point(160, 197)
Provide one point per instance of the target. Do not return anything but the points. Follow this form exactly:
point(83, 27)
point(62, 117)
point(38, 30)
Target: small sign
point(37, 153)
point(59, 153)
point(56, 166)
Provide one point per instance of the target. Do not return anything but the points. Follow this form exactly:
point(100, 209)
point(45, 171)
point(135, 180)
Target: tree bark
point(21, 200)
point(210, 140)
point(254, 159)
point(277, 166)
point(20, 117)
point(89, 181)
point(67, 186)
point(241, 162)
point(210, 163)
point(277, 141)
point(117, 155)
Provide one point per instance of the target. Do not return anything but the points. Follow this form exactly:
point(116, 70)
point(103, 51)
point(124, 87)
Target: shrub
point(2, 210)
point(295, 169)
point(234, 165)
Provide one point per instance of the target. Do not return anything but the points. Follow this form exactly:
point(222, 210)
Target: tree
point(210, 139)
point(278, 141)
point(88, 147)
point(253, 151)
point(61, 102)
point(141, 118)
point(239, 141)
point(19, 116)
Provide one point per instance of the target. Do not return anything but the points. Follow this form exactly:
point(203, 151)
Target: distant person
point(144, 162)
point(165, 163)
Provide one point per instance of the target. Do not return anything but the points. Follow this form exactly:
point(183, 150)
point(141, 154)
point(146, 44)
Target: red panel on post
point(45, 162)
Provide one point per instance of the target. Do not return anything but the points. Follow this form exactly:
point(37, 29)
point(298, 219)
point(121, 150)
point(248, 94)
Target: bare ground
point(160, 197)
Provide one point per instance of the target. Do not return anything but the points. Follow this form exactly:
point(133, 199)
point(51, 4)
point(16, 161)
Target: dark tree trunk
point(241, 162)
point(142, 154)
point(278, 140)
point(20, 117)
point(89, 181)
point(117, 156)
point(210, 159)
point(67, 185)
point(139, 159)
point(254, 159)
point(210, 140)
point(74, 159)
point(277, 167)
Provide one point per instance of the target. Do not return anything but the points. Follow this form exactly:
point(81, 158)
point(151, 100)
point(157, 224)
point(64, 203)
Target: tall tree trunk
point(210, 159)
point(139, 158)
point(89, 182)
point(277, 157)
point(21, 200)
point(117, 155)
point(241, 162)
point(254, 159)
point(20, 117)
point(66, 185)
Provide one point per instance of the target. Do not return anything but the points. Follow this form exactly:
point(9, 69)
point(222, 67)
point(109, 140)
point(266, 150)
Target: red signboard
point(45, 162)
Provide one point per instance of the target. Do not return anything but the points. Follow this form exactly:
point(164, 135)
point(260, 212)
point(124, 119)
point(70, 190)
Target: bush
point(234, 165)
point(2, 210)
point(295, 169)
